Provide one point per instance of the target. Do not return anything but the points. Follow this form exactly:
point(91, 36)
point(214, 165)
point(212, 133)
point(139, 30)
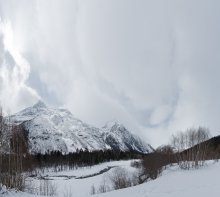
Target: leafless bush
point(120, 179)
point(136, 164)
point(135, 178)
point(93, 191)
point(152, 166)
point(68, 193)
point(104, 187)
point(47, 188)
point(166, 153)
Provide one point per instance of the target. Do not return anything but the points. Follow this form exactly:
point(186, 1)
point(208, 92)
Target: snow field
point(173, 182)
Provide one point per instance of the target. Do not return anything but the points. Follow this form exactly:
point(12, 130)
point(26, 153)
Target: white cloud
point(151, 64)
point(14, 71)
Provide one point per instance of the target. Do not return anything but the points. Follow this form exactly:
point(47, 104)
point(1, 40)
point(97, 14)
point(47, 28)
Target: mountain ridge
point(51, 129)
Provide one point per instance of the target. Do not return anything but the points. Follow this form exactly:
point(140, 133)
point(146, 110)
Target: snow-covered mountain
point(118, 137)
point(52, 129)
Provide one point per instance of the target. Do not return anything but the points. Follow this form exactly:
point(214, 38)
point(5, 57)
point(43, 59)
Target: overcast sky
point(153, 65)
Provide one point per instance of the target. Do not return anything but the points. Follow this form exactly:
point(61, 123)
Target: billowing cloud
point(153, 65)
point(14, 72)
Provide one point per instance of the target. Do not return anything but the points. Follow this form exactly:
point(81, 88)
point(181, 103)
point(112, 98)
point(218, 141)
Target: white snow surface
point(174, 182)
point(58, 130)
point(82, 187)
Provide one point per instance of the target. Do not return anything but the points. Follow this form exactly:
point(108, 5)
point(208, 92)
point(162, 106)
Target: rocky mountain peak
point(40, 104)
point(51, 129)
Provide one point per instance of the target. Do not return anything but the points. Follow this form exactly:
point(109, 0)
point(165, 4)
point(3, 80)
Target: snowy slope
point(174, 182)
point(177, 183)
point(57, 129)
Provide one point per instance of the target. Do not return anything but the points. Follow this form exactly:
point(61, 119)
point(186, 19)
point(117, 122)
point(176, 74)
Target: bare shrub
point(47, 188)
point(120, 179)
point(136, 164)
point(152, 166)
point(93, 191)
point(154, 163)
point(135, 178)
point(30, 187)
point(104, 186)
point(67, 193)
point(166, 153)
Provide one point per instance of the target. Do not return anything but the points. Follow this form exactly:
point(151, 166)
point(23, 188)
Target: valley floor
point(174, 182)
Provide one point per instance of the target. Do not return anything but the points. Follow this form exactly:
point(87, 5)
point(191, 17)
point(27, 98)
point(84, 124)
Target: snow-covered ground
point(67, 183)
point(174, 182)
point(68, 180)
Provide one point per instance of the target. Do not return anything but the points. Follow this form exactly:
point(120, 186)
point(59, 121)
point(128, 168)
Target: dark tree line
point(58, 162)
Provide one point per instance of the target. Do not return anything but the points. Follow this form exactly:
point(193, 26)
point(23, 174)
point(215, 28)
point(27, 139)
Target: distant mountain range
point(50, 129)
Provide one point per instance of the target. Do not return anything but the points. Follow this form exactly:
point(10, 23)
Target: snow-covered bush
point(3, 189)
